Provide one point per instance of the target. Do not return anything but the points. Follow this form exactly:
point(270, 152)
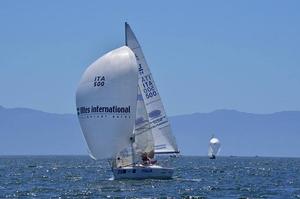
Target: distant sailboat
point(121, 113)
point(214, 147)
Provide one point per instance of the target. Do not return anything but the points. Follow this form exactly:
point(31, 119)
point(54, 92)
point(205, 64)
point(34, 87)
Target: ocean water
point(195, 177)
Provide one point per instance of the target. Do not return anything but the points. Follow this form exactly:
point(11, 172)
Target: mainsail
point(106, 104)
point(164, 142)
point(214, 146)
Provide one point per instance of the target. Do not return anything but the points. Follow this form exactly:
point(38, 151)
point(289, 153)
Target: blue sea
point(195, 177)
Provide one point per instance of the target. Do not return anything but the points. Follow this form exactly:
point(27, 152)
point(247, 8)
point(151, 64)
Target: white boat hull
point(143, 172)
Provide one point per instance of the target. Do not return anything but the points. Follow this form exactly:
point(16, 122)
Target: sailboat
point(121, 113)
point(214, 147)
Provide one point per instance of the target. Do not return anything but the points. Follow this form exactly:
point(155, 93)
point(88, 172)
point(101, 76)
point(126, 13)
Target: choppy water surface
point(195, 177)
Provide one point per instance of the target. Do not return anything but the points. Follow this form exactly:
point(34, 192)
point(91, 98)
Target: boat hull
point(143, 172)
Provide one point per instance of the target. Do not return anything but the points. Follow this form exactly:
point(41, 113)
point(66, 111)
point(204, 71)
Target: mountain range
point(26, 131)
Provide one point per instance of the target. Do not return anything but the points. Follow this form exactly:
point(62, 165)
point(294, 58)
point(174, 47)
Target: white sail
point(159, 123)
point(144, 142)
point(106, 103)
point(214, 147)
point(124, 158)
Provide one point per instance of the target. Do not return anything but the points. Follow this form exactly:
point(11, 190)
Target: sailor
point(147, 160)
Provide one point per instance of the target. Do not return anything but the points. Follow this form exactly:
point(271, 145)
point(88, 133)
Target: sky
point(204, 55)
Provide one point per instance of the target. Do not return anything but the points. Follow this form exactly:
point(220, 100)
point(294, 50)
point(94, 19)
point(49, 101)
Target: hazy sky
point(204, 55)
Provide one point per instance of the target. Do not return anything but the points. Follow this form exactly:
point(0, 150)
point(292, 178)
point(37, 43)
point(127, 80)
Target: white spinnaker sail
point(159, 123)
point(106, 102)
point(214, 146)
point(144, 142)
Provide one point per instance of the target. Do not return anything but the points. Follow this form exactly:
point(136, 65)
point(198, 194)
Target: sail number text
point(148, 87)
point(99, 81)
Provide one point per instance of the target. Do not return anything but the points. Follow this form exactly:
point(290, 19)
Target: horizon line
point(216, 110)
point(204, 156)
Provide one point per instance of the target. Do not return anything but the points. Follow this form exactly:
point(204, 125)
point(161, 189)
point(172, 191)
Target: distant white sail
point(214, 147)
point(159, 123)
point(106, 103)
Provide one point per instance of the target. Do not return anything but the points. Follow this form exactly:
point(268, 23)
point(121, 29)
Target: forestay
point(106, 103)
point(159, 123)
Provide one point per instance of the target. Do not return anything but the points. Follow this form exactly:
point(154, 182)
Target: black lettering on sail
point(99, 81)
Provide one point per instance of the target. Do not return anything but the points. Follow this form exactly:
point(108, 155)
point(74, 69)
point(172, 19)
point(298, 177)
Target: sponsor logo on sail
point(103, 109)
point(139, 121)
point(154, 113)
